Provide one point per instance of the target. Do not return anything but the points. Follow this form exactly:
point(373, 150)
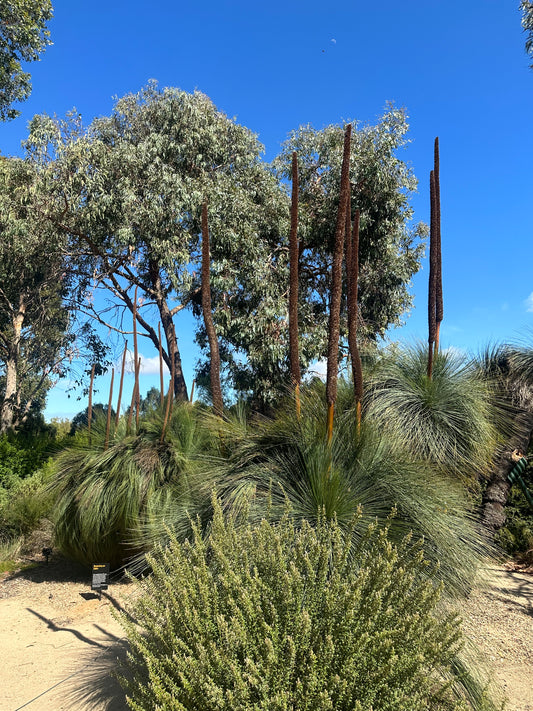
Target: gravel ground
point(498, 618)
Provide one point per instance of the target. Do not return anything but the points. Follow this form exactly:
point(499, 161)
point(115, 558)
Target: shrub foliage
point(290, 617)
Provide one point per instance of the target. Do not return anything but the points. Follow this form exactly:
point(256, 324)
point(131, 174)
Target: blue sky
point(459, 69)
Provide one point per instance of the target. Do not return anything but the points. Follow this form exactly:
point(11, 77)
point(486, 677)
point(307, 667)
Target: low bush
point(21, 455)
point(26, 503)
point(283, 617)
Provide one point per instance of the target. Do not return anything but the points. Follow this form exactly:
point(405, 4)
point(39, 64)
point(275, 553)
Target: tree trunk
point(497, 492)
point(8, 414)
point(174, 364)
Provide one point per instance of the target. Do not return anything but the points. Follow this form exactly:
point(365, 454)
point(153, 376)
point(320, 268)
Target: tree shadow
point(59, 569)
point(93, 683)
point(96, 685)
point(55, 628)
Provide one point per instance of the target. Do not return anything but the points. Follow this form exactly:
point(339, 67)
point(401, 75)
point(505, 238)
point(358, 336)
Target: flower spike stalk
point(121, 384)
point(336, 285)
point(352, 268)
point(108, 422)
point(432, 291)
point(161, 383)
point(216, 390)
point(293, 288)
point(90, 408)
point(439, 306)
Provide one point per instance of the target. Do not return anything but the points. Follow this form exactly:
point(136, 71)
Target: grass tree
point(272, 461)
point(108, 499)
point(510, 370)
point(451, 419)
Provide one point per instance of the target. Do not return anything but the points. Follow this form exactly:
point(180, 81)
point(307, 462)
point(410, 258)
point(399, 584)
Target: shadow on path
point(52, 626)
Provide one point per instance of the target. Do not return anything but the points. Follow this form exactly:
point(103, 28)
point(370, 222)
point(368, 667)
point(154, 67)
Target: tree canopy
point(23, 36)
point(38, 332)
point(129, 189)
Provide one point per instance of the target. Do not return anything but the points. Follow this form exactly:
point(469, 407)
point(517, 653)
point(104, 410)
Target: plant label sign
point(100, 579)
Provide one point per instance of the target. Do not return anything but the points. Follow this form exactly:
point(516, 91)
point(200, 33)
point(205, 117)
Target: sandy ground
point(59, 643)
point(499, 620)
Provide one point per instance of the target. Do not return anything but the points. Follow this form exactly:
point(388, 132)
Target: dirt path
point(59, 643)
point(499, 620)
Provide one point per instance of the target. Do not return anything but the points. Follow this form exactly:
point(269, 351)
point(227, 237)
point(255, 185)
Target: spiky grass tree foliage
point(274, 461)
point(450, 419)
point(107, 499)
point(289, 616)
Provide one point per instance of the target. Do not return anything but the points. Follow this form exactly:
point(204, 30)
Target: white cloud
point(529, 303)
point(149, 366)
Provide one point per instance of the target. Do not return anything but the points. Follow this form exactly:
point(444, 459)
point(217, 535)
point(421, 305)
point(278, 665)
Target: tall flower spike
point(336, 285)
point(161, 381)
point(216, 390)
point(109, 403)
point(293, 288)
point(432, 290)
point(117, 418)
point(90, 406)
point(439, 306)
point(352, 267)
point(135, 402)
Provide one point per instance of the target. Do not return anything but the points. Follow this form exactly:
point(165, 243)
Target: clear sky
point(459, 68)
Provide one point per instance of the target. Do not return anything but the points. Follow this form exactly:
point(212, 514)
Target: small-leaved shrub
point(281, 617)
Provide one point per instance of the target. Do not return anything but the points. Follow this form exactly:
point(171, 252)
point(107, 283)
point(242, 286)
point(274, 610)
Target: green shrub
point(26, 503)
point(281, 617)
point(21, 455)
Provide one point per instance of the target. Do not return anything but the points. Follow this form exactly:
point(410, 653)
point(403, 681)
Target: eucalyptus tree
point(23, 36)
point(38, 335)
point(129, 191)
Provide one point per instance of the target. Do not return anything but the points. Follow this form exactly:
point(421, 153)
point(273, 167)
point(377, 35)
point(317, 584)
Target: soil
point(498, 620)
point(60, 643)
